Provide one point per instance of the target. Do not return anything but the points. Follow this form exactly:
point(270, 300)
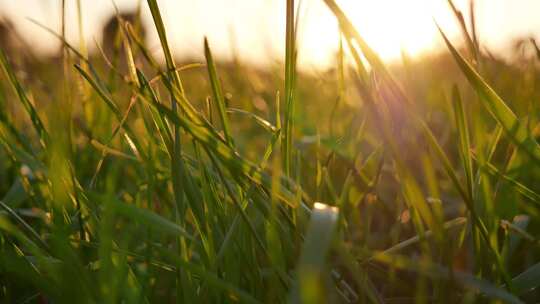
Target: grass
point(122, 180)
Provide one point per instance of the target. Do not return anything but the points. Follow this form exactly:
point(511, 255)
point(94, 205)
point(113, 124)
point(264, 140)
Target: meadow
point(124, 179)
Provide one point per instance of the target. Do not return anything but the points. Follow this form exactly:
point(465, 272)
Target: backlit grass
point(124, 180)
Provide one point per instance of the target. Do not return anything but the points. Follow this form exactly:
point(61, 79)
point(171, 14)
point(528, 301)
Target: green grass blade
point(23, 223)
point(521, 188)
point(468, 202)
point(464, 139)
point(21, 94)
point(515, 129)
point(432, 141)
point(235, 163)
point(160, 27)
point(290, 78)
point(461, 21)
point(217, 92)
point(176, 161)
point(261, 121)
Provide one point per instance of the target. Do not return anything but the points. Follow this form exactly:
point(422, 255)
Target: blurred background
point(254, 29)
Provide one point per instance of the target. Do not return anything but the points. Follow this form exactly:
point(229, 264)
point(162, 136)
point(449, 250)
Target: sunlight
point(255, 29)
point(388, 26)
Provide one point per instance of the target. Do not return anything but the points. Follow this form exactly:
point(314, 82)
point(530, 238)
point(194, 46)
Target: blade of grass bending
point(108, 150)
point(311, 264)
point(217, 92)
point(261, 121)
point(515, 129)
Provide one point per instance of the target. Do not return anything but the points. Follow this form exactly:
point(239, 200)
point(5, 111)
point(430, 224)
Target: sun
point(390, 27)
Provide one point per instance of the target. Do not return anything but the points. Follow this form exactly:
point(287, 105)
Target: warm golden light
point(390, 27)
point(321, 206)
point(256, 29)
point(393, 26)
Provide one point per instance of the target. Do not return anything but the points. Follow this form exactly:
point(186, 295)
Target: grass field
point(124, 180)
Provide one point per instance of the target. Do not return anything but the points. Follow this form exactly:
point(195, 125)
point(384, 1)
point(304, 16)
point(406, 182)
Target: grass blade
point(290, 78)
point(217, 91)
point(28, 106)
point(464, 139)
point(516, 130)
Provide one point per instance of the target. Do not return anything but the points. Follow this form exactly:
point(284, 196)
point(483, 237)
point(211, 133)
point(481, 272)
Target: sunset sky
point(255, 27)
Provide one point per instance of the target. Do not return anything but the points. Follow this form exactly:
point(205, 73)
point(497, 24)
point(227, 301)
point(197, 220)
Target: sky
point(254, 29)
